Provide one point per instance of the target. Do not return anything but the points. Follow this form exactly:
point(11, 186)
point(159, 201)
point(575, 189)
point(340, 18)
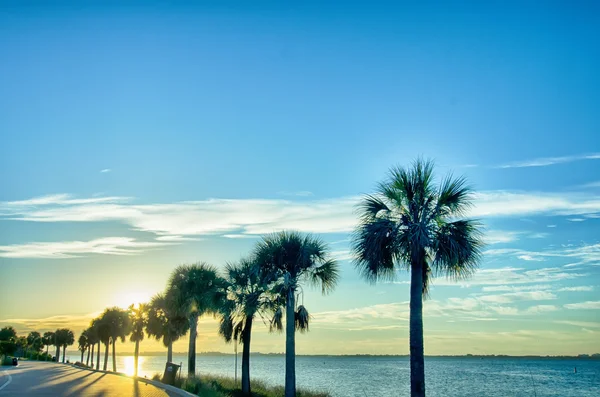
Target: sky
point(138, 138)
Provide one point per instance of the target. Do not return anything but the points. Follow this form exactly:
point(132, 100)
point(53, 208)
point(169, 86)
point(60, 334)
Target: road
point(34, 378)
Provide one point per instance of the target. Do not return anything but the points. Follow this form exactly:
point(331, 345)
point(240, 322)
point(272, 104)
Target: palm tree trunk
point(98, 357)
point(290, 344)
point(47, 346)
point(82, 351)
point(114, 357)
point(64, 353)
point(92, 355)
point(192, 346)
point(135, 358)
point(170, 352)
point(417, 359)
point(246, 335)
point(57, 354)
point(106, 355)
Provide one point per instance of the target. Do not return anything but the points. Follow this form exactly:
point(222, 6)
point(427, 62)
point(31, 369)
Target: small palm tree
point(92, 340)
point(63, 337)
point(117, 321)
point(138, 319)
point(97, 332)
point(34, 341)
point(103, 330)
point(412, 224)
point(248, 295)
point(48, 339)
point(83, 344)
point(195, 290)
point(291, 259)
point(165, 323)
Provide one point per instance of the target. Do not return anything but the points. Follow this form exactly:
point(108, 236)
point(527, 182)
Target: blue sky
point(138, 138)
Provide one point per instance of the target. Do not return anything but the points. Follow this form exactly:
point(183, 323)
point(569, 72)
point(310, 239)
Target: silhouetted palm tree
point(34, 342)
point(412, 224)
point(138, 319)
point(195, 290)
point(291, 259)
point(63, 337)
point(92, 340)
point(248, 295)
point(103, 330)
point(97, 332)
point(83, 344)
point(165, 323)
point(117, 321)
point(48, 339)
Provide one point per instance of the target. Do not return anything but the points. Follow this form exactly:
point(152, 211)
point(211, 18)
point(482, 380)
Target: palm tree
point(195, 290)
point(83, 343)
point(48, 339)
point(34, 341)
point(64, 337)
point(291, 259)
point(165, 323)
point(116, 320)
point(138, 319)
point(97, 330)
point(412, 224)
point(248, 295)
point(103, 330)
point(91, 338)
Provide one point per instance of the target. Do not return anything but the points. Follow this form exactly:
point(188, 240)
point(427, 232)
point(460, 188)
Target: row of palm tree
point(409, 223)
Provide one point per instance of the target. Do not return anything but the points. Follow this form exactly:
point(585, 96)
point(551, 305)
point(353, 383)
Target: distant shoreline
point(595, 356)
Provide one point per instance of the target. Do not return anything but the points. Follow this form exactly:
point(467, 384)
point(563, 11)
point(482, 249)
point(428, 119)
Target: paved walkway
point(34, 378)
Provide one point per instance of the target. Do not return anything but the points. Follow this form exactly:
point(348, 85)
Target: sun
point(128, 298)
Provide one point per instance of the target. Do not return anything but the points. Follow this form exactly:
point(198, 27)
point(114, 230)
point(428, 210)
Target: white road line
point(7, 382)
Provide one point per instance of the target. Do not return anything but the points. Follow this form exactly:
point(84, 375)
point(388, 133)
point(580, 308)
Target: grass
point(220, 386)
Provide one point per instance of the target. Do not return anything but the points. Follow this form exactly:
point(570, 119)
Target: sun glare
point(129, 368)
point(131, 298)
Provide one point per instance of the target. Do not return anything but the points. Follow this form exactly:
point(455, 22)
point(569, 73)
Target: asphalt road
point(34, 378)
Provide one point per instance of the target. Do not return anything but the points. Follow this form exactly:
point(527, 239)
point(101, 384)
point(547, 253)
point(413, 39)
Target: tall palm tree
point(48, 339)
point(103, 330)
point(138, 319)
point(164, 322)
point(92, 340)
point(291, 259)
point(83, 344)
point(248, 295)
point(34, 341)
point(95, 334)
point(117, 322)
point(412, 224)
point(195, 290)
point(64, 337)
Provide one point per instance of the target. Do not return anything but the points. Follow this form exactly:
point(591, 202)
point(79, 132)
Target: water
point(389, 376)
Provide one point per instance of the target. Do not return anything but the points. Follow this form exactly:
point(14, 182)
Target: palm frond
point(276, 324)
point(458, 249)
point(302, 319)
point(326, 276)
point(453, 197)
point(375, 249)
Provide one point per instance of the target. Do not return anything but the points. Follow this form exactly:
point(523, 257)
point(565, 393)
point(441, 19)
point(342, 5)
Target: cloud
point(512, 288)
point(105, 170)
point(579, 323)
point(300, 193)
point(75, 322)
point(232, 217)
point(546, 161)
point(500, 236)
point(538, 235)
point(584, 305)
point(577, 289)
point(591, 185)
point(518, 296)
point(74, 249)
point(510, 275)
point(576, 219)
point(585, 254)
point(177, 238)
point(530, 258)
point(542, 309)
point(551, 226)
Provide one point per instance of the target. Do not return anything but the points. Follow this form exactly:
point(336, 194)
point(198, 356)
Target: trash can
point(15, 361)
point(170, 373)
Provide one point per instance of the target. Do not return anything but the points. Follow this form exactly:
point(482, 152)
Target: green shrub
point(6, 360)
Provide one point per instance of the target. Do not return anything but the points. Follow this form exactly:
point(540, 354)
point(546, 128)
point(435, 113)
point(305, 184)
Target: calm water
point(382, 376)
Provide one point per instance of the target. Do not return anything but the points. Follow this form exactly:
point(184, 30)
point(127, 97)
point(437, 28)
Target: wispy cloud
point(258, 216)
point(75, 322)
point(591, 185)
point(542, 309)
point(518, 296)
point(582, 288)
point(73, 249)
point(584, 254)
point(546, 161)
point(299, 193)
point(579, 323)
point(516, 288)
point(584, 305)
point(105, 170)
point(508, 276)
point(500, 236)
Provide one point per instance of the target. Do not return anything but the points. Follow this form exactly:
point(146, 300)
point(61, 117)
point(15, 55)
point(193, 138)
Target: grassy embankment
point(217, 386)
